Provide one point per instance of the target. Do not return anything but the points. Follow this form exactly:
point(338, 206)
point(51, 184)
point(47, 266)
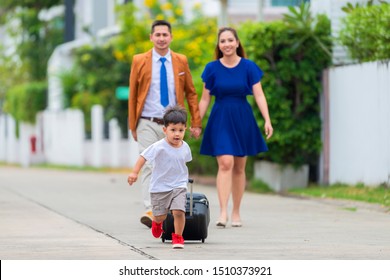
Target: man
point(156, 84)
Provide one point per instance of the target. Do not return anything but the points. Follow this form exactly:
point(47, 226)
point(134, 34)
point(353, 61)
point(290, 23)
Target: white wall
point(359, 124)
point(3, 138)
point(60, 140)
point(124, 159)
point(26, 131)
point(64, 137)
point(12, 144)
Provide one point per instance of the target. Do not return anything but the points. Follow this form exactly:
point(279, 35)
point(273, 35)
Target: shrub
point(24, 101)
point(292, 53)
point(365, 31)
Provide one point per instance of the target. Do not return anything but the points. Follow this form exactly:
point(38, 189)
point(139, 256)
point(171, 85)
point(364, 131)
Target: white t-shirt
point(169, 165)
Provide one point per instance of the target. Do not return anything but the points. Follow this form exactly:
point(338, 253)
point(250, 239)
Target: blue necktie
point(163, 83)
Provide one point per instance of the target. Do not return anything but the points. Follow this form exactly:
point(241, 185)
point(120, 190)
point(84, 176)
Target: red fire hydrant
point(33, 144)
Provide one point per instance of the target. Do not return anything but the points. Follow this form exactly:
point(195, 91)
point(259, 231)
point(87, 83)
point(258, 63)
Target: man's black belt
point(156, 120)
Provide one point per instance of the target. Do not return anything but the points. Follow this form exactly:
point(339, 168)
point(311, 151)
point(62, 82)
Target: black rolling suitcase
point(197, 218)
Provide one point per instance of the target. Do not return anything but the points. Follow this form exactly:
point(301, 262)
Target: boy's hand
point(132, 178)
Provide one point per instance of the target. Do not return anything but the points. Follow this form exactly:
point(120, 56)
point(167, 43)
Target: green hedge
point(24, 101)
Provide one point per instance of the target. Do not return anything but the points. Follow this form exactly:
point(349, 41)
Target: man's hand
point(195, 132)
point(134, 134)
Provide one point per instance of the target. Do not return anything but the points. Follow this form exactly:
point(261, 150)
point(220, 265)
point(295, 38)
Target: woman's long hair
point(240, 49)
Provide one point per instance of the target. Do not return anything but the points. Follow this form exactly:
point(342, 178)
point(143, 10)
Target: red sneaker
point(157, 230)
point(177, 241)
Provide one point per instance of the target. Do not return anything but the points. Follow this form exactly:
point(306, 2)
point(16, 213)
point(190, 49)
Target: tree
point(36, 39)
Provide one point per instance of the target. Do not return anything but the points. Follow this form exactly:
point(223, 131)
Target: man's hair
point(175, 115)
point(161, 22)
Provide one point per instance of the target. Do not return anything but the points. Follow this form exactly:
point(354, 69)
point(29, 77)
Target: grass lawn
point(377, 195)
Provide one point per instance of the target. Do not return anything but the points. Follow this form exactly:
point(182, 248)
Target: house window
point(283, 3)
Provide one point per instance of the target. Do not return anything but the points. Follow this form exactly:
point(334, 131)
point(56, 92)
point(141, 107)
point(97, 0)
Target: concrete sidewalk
point(66, 215)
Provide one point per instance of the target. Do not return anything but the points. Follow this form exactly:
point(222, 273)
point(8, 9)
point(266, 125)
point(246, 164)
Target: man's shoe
point(177, 241)
point(157, 230)
point(147, 219)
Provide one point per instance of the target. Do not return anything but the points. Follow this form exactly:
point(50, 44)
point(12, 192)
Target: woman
point(232, 133)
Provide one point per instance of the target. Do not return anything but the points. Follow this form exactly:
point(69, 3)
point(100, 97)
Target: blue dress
point(232, 128)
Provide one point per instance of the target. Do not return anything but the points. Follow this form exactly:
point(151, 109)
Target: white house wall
point(93, 15)
point(359, 124)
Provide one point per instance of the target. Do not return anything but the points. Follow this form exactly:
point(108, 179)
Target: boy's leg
point(179, 221)
point(160, 206)
point(157, 230)
point(178, 208)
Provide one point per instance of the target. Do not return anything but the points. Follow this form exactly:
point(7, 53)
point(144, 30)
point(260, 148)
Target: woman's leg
point(238, 186)
point(224, 184)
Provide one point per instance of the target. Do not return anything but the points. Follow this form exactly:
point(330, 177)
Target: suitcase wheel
point(202, 240)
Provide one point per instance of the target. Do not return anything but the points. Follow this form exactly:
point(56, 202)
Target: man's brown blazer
point(140, 78)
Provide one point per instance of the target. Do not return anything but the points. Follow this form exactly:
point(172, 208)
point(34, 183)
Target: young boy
point(168, 184)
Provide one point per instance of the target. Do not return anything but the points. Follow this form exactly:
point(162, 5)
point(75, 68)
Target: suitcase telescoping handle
point(191, 181)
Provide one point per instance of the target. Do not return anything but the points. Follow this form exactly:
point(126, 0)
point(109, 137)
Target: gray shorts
point(162, 202)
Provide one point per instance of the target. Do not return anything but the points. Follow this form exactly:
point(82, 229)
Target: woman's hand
point(195, 132)
point(268, 130)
